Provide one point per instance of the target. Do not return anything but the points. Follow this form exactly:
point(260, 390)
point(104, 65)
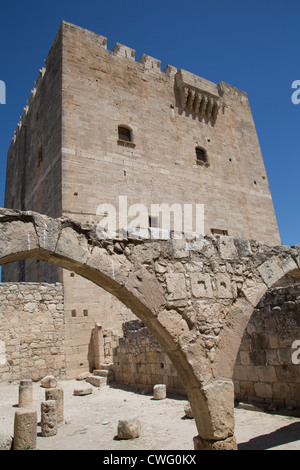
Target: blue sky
point(252, 45)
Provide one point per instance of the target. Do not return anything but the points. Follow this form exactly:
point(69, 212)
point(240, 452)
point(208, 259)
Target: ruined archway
point(195, 296)
point(266, 373)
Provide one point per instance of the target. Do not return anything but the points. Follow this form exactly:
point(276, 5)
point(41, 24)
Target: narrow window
point(201, 156)
point(40, 155)
point(216, 231)
point(124, 134)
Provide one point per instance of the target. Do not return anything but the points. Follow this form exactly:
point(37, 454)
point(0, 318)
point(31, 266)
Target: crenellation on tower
point(150, 63)
point(124, 51)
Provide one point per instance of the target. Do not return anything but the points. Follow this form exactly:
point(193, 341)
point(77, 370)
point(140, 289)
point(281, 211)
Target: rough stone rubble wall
point(264, 371)
point(140, 361)
point(31, 331)
point(32, 345)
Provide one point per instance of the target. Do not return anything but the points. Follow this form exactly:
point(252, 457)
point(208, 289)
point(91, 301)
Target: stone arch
point(72, 246)
point(195, 295)
point(268, 266)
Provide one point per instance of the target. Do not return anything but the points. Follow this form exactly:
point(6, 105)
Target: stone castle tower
point(100, 125)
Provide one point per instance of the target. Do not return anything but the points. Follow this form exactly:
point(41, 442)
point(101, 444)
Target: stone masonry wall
point(66, 158)
point(31, 331)
point(264, 371)
point(140, 361)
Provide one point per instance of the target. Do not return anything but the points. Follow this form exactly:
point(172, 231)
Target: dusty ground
point(91, 421)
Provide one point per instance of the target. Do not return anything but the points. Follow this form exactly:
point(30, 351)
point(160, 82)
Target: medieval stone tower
point(100, 125)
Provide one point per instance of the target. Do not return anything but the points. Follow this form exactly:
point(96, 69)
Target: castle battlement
point(197, 95)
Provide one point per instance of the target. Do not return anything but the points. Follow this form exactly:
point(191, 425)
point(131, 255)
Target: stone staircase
point(102, 376)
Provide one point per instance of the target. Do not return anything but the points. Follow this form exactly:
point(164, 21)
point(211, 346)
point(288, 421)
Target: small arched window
point(124, 134)
point(201, 156)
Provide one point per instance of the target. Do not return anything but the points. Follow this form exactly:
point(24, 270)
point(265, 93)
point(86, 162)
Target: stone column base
point(226, 444)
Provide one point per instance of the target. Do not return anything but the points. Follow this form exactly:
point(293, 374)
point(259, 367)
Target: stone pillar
point(25, 430)
point(225, 444)
point(48, 418)
point(98, 346)
point(213, 409)
point(58, 395)
point(159, 391)
point(25, 393)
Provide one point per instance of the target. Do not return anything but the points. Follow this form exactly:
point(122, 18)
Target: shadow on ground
point(277, 438)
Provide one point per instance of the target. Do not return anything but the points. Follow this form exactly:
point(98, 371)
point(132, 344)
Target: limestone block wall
point(85, 305)
point(265, 371)
point(110, 344)
point(31, 331)
point(105, 89)
point(140, 361)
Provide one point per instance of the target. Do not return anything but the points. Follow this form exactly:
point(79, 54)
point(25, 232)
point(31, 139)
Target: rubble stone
point(129, 428)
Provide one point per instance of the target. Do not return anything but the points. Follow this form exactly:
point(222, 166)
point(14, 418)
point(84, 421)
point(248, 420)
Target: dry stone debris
point(49, 382)
point(82, 391)
point(188, 411)
point(129, 428)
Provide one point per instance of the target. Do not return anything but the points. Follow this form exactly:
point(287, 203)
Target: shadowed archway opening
point(266, 373)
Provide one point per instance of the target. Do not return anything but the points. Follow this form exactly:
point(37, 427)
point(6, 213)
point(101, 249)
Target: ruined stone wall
point(31, 331)
point(265, 372)
point(85, 305)
point(140, 361)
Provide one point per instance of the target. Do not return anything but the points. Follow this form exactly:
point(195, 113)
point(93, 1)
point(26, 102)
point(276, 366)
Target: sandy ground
point(91, 421)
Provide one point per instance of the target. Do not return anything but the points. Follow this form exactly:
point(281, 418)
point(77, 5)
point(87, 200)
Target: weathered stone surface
point(220, 397)
point(97, 381)
point(25, 429)
point(27, 347)
point(265, 370)
point(49, 381)
point(226, 444)
point(188, 411)
point(176, 286)
point(25, 393)
point(129, 428)
point(82, 391)
point(5, 442)
point(57, 394)
point(228, 249)
point(271, 271)
point(83, 376)
point(201, 285)
point(49, 418)
point(159, 391)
